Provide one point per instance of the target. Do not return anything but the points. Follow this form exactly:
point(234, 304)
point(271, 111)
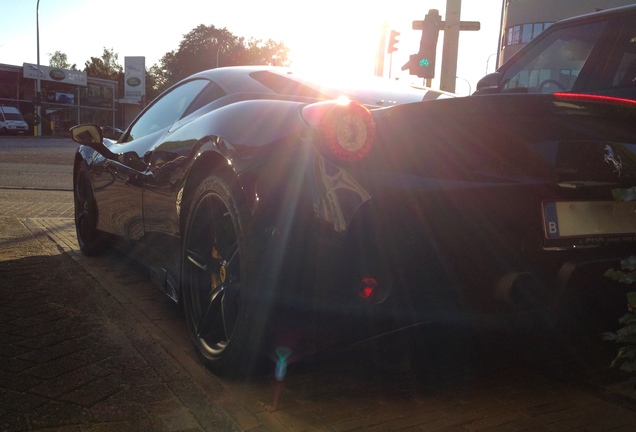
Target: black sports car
point(250, 191)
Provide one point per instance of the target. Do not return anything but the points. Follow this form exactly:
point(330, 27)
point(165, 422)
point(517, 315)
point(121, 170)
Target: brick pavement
point(90, 344)
point(72, 359)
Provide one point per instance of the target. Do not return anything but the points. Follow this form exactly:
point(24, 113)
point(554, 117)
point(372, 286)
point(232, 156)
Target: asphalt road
point(27, 163)
point(478, 379)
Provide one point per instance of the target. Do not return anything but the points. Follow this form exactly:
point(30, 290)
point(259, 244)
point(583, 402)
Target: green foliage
point(107, 66)
point(204, 47)
point(621, 276)
point(624, 194)
point(60, 60)
point(207, 47)
point(626, 335)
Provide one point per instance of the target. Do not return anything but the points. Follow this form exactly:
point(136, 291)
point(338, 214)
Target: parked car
point(251, 190)
point(11, 121)
point(594, 53)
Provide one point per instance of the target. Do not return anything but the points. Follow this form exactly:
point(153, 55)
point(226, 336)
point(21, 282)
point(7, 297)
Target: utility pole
point(451, 46)
point(37, 121)
point(379, 59)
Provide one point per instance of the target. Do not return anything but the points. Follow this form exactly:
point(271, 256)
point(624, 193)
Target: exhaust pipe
point(521, 290)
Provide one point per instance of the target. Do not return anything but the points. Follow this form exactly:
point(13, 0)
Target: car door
point(168, 165)
point(119, 182)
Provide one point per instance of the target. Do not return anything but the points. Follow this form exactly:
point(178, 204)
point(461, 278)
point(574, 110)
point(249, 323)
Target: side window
point(211, 93)
point(625, 51)
point(167, 110)
point(554, 63)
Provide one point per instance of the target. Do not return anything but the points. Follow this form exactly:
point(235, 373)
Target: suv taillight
point(582, 97)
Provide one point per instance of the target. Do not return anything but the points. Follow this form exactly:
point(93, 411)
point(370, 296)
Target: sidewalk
point(72, 358)
point(89, 344)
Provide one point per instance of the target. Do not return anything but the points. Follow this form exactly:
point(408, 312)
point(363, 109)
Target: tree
point(59, 60)
point(207, 47)
point(154, 82)
point(106, 66)
point(269, 52)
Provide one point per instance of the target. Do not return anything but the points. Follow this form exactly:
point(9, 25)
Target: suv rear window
point(555, 62)
point(625, 56)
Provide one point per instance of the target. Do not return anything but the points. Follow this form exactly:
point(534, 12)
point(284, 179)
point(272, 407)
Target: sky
point(340, 36)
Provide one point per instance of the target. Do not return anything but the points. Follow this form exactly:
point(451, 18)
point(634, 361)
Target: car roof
point(605, 12)
point(370, 90)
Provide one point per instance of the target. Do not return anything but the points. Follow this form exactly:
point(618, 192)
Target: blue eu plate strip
point(551, 220)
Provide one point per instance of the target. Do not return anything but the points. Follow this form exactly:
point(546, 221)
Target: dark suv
point(594, 54)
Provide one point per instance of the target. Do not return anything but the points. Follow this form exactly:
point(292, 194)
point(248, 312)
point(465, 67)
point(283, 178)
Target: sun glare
point(341, 43)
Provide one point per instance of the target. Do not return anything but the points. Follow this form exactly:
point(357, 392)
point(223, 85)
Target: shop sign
point(47, 73)
point(135, 78)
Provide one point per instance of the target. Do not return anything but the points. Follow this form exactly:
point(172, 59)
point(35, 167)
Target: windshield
point(13, 116)
point(554, 63)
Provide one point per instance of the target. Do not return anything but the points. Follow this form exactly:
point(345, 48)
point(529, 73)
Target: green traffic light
point(424, 62)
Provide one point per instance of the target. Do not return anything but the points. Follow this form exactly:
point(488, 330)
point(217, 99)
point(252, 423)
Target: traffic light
point(393, 40)
point(422, 64)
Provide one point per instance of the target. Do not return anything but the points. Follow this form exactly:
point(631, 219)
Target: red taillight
point(346, 128)
point(368, 289)
point(582, 97)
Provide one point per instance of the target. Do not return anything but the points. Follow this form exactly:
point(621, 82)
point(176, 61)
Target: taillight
point(368, 289)
point(346, 128)
point(582, 97)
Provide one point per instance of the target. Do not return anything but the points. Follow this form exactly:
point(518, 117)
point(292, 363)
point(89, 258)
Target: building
point(522, 20)
point(71, 97)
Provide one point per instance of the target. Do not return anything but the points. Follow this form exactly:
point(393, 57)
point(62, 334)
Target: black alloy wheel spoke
point(198, 260)
point(82, 211)
point(214, 323)
point(232, 263)
point(213, 258)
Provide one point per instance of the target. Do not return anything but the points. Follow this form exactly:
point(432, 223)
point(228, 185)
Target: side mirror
point(489, 83)
point(91, 135)
point(87, 134)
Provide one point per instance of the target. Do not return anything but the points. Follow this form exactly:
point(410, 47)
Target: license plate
point(588, 218)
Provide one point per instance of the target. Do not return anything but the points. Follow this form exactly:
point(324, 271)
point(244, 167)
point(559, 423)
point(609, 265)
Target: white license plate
point(588, 218)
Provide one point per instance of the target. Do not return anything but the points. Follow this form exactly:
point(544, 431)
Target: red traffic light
point(393, 41)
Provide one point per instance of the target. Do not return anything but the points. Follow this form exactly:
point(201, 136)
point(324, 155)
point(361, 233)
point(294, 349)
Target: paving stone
point(55, 413)
point(95, 391)
point(20, 402)
point(87, 344)
point(71, 363)
point(12, 421)
point(118, 408)
point(18, 382)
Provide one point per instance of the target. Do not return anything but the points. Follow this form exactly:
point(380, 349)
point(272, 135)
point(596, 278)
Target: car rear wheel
point(215, 279)
point(89, 238)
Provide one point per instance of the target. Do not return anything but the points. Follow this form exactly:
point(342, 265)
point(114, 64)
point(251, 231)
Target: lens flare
point(280, 370)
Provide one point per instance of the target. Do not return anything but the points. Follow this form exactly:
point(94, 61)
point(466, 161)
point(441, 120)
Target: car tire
point(216, 279)
point(90, 239)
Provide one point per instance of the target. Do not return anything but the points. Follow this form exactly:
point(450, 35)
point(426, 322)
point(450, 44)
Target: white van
point(11, 121)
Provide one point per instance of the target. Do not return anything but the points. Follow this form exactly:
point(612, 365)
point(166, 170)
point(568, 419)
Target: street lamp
point(218, 48)
point(470, 88)
point(488, 62)
point(38, 89)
